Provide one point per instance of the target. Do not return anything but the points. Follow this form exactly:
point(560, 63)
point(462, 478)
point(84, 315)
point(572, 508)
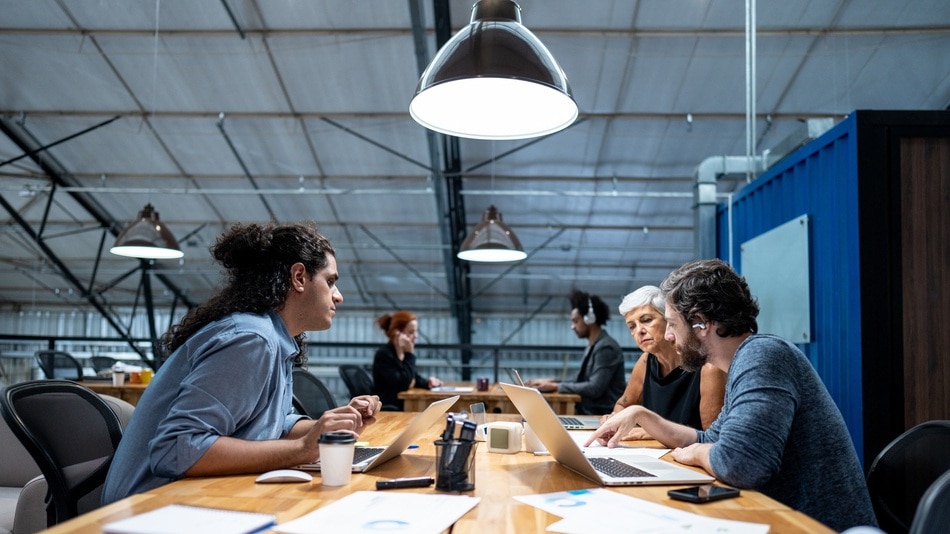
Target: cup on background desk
point(147, 374)
point(135, 377)
point(481, 384)
point(336, 457)
point(118, 376)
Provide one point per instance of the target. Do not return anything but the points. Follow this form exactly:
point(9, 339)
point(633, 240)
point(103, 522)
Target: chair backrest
point(16, 465)
point(311, 395)
point(933, 512)
point(357, 380)
point(123, 409)
point(59, 364)
point(71, 433)
point(102, 363)
point(904, 470)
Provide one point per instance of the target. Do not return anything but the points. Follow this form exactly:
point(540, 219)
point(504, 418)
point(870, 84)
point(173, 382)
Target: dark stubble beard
point(582, 335)
point(693, 354)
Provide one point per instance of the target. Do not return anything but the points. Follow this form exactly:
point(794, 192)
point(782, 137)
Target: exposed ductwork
point(707, 172)
point(713, 168)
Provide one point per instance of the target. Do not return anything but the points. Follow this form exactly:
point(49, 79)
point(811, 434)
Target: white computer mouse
point(283, 475)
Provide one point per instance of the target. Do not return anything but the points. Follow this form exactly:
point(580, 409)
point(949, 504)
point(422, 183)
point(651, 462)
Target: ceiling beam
point(623, 33)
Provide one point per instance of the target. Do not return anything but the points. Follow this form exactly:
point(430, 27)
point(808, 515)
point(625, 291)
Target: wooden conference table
point(498, 478)
point(495, 399)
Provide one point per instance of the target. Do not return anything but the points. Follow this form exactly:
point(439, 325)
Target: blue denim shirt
point(231, 378)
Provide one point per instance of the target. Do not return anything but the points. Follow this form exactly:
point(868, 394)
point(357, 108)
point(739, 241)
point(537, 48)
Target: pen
point(408, 482)
point(449, 428)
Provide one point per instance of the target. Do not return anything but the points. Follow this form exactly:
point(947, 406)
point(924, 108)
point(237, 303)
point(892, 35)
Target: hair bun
point(244, 247)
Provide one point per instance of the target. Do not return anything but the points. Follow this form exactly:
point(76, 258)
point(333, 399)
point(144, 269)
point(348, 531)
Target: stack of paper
point(453, 389)
point(374, 511)
point(599, 510)
point(190, 519)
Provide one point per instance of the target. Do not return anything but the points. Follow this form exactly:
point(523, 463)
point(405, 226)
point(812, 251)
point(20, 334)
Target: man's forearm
point(229, 456)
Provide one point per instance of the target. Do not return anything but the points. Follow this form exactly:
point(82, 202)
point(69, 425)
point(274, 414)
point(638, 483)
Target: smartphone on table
point(704, 493)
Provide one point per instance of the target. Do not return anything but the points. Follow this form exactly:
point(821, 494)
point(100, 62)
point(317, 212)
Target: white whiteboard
point(775, 264)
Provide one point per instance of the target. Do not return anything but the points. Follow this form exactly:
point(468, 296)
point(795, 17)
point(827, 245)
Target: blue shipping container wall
point(820, 180)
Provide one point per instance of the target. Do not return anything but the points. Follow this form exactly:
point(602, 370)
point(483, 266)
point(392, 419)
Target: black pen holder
point(455, 465)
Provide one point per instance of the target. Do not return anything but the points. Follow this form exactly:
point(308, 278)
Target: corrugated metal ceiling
point(298, 110)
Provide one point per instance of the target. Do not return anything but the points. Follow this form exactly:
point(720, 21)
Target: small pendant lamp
point(494, 79)
point(147, 238)
point(492, 241)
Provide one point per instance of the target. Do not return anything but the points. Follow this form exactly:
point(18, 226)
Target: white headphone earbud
point(590, 317)
point(701, 326)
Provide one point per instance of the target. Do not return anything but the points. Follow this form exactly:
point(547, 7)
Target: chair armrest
point(30, 515)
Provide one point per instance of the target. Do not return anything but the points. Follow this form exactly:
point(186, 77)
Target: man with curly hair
point(221, 403)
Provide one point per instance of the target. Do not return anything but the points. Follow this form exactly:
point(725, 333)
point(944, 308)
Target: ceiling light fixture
point(494, 79)
point(492, 241)
point(147, 238)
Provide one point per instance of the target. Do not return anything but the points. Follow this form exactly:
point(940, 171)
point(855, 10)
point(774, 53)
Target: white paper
point(375, 511)
point(599, 510)
point(190, 519)
point(453, 389)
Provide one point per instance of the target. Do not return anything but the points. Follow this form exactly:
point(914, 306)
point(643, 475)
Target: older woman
point(657, 381)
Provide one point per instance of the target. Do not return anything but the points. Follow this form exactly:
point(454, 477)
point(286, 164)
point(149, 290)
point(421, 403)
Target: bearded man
point(779, 431)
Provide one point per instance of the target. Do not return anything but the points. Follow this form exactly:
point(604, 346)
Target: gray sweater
point(780, 433)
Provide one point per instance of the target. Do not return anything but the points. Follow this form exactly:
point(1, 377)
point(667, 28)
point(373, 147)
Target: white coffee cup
point(336, 457)
point(531, 441)
point(118, 376)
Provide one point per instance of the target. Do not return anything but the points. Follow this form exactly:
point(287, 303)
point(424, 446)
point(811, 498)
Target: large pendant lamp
point(494, 80)
point(147, 238)
point(492, 241)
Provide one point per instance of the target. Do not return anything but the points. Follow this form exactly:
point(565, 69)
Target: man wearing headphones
point(601, 379)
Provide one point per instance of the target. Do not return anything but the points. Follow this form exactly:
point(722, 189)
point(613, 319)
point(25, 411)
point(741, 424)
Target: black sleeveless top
point(675, 396)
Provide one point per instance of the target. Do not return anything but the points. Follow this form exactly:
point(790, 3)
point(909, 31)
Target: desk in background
point(498, 478)
point(130, 393)
point(495, 399)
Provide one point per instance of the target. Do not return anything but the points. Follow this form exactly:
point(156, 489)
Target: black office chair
point(904, 470)
point(71, 433)
point(933, 512)
point(59, 364)
point(311, 396)
point(358, 380)
point(102, 363)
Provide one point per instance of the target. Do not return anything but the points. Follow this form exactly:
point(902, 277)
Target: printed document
point(376, 511)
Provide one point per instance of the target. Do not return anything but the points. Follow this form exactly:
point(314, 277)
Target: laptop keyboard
point(570, 421)
point(617, 469)
point(362, 453)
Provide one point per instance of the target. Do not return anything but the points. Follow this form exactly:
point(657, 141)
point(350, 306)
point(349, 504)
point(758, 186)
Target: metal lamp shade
point(494, 80)
point(147, 238)
point(492, 241)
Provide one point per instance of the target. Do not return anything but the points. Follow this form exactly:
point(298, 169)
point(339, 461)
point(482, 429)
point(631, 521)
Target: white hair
point(645, 295)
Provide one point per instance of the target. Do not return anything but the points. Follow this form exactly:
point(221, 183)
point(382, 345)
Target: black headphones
point(590, 317)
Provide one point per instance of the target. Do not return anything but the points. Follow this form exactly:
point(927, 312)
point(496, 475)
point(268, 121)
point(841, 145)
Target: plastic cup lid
point(338, 437)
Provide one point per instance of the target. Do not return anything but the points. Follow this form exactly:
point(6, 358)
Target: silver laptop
point(366, 458)
point(570, 422)
point(626, 470)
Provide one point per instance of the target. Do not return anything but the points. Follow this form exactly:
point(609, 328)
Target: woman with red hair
point(394, 366)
